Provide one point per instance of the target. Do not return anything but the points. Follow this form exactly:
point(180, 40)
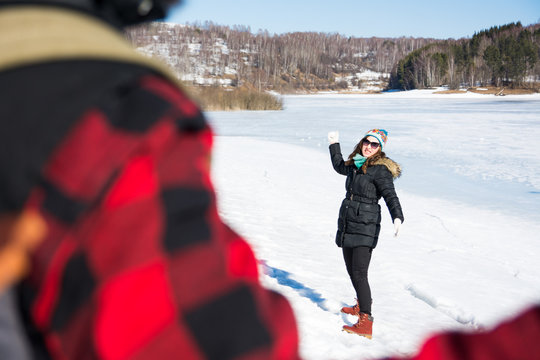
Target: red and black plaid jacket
point(512, 339)
point(137, 264)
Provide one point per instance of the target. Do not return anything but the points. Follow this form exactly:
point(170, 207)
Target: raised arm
point(337, 159)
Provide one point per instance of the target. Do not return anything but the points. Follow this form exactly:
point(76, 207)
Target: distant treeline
point(287, 62)
point(506, 55)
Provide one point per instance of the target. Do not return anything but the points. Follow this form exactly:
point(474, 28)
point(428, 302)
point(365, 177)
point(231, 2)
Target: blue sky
point(381, 18)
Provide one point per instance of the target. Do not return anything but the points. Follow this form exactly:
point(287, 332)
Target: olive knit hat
point(380, 134)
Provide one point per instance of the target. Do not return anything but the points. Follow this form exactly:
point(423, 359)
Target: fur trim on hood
point(391, 165)
point(381, 159)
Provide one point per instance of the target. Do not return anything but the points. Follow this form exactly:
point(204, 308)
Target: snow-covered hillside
point(218, 55)
point(185, 58)
point(467, 254)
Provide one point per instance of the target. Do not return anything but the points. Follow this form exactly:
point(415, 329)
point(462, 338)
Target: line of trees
point(506, 55)
point(286, 62)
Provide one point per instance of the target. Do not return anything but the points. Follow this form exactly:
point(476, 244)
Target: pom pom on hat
point(380, 134)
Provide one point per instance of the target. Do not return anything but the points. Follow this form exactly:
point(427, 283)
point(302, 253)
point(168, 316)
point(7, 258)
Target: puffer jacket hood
point(391, 165)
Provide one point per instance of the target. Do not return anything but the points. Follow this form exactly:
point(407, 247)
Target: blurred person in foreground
point(109, 232)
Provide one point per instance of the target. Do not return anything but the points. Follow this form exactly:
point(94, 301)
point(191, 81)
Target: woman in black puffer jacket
point(370, 176)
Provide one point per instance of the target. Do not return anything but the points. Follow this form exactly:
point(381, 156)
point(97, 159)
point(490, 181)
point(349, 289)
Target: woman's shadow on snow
point(284, 278)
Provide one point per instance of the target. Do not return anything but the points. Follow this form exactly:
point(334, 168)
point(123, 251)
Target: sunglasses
point(374, 145)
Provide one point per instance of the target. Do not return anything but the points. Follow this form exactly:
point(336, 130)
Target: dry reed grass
point(213, 98)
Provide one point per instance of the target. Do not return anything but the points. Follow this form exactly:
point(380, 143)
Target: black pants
point(357, 262)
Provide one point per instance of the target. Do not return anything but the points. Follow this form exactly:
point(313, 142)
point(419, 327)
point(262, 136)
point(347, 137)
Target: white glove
point(397, 226)
point(333, 137)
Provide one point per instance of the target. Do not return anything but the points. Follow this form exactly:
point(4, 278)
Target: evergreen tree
point(492, 58)
point(503, 55)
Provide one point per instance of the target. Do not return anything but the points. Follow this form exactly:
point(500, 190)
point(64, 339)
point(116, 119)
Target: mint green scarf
point(359, 160)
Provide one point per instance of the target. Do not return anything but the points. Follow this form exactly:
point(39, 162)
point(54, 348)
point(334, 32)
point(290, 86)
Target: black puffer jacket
point(360, 214)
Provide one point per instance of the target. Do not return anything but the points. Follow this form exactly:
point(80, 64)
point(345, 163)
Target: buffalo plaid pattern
point(137, 264)
point(514, 338)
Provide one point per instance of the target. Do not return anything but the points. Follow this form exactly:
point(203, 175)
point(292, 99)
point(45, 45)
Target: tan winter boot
point(364, 326)
point(351, 310)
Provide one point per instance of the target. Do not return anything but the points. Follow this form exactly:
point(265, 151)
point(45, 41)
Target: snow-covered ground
point(467, 256)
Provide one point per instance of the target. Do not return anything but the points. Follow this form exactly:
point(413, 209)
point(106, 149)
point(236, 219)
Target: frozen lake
point(478, 149)
point(466, 257)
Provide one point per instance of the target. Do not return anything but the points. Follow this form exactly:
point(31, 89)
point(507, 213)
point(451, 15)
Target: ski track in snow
point(444, 306)
point(442, 223)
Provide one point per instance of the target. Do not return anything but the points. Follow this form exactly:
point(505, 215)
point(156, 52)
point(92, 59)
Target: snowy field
point(467, 256)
